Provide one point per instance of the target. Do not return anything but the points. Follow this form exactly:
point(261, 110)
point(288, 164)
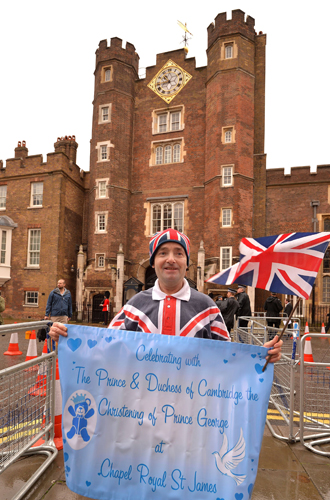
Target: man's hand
point(46, 317)
point(56, 330)
point(276, 352)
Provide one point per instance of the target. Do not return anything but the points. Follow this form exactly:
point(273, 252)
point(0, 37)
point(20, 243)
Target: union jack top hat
point(168, 235)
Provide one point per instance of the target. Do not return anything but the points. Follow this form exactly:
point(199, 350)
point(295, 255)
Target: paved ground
point(285, 472)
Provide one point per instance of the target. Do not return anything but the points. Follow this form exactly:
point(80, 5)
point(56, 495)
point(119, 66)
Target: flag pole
point(284, 327)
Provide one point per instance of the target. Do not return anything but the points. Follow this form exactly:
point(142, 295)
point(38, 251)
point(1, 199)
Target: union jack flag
point(285, 263)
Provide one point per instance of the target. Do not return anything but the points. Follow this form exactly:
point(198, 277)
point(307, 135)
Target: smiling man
point(171, 307)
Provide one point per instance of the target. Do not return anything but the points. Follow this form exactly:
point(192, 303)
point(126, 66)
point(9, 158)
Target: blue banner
point(149, 416)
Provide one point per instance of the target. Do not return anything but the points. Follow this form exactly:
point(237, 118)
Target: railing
point(27, 395)
point(300, 395)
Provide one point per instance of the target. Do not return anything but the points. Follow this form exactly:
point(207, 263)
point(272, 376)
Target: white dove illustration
point(226, 460)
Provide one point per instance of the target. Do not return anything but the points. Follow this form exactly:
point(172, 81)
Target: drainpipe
point(314, 204)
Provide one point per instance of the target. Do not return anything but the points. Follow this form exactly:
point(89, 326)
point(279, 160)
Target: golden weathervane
point(185, 36)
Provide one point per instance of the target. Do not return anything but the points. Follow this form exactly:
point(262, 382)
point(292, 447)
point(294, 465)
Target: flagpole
point(284, 327)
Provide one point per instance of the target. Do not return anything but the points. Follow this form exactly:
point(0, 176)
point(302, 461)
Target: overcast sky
point(47, 60)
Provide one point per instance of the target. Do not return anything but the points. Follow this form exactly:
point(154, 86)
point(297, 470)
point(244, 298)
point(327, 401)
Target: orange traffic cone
point(323, 331)
point(58, 411)
point(32, 351)
point(308, 355)
point(13, 349)
point(58, 439)
point(39, 388)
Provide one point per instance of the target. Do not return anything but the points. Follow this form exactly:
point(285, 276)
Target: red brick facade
point(219, 133)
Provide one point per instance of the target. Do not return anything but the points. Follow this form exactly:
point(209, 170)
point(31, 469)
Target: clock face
point(169, 81)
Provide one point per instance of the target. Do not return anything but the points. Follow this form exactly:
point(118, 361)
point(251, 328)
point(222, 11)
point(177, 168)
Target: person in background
point(273, 307)
point(229, 308)
point(105, 307)
point(288, 308)
point(59, 304)
point(2, 308)
point(244, 306)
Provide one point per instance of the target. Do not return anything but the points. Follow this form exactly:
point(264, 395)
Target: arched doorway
point(150, 277)
point(97, 314)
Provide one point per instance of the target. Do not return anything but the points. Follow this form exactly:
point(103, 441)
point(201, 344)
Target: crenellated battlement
point(237, 24)
point(297, 175)
point(116, 51)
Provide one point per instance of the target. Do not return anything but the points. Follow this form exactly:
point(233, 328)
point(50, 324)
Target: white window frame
point(229, 50)
point(224, 217)
point(3, 197)
point(33, 251)
point(100, 182)
point(101, 108)
point(100, 147)
point(3, 246)
point(227, 173)
point(224, 250)
point(165, 116)
point(161, 155)
point(98, 216)
point(228, 135)
point(326, 296)
point(98, 257)
point(33, 295)
point(104, 74)
point(35, 195)
point(163, 205)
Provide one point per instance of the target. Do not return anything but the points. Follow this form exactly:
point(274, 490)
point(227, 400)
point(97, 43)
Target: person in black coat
point(244, 306)
point(273, 307)
point(288, 308)
point(228, 308)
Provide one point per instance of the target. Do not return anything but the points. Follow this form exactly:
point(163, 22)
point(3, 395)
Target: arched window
point(326, 262)
point(326, 288)
point(176, 153)
point(167, 215)
point(178, 216)
point(156, 218)
point(159, 155)
point(168, 154)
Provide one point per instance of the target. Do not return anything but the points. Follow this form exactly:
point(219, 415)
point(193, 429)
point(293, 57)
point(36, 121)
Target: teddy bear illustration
point(80, 413)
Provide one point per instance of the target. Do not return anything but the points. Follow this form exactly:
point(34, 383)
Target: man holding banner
point(171, 307)
point(147, 414)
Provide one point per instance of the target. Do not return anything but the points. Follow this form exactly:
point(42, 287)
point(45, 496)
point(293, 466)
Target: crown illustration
point(79, 398)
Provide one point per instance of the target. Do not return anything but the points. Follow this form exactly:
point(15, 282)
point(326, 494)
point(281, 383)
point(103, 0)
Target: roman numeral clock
point(169, 81)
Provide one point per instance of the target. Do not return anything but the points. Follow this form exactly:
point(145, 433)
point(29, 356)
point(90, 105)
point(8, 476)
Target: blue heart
point(91, 343)
point(253, 355)
point(88, 483)
point(108, 339)
point(66, 457)
point(64, 440)
point(234, 354)
point(74, 344)
point(258, 368)
point(238, 496)
point(261, 379)
point(225, 361)
point(220, 498)
point(250, 488)
point(252, 459)
point(67, 469)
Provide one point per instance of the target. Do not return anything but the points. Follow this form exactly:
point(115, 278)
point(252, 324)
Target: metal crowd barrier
point(315, 399)
point(282, 402)
point(300, 395)
point(27, 402)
